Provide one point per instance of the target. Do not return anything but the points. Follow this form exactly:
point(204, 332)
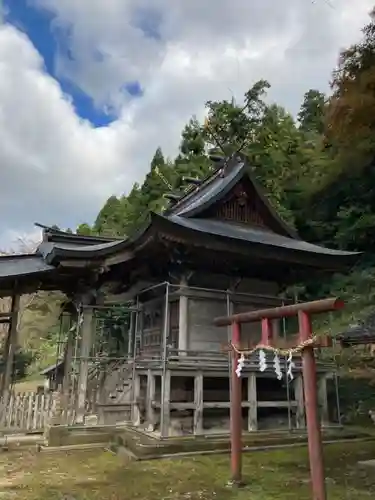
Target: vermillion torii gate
point(306, 343)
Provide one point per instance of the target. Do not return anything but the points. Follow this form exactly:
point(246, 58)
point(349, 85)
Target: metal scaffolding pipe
point(233, 292)
point(134, 346)
point(164, 360)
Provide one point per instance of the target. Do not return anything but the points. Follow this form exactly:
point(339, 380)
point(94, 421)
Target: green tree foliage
point(339, 206)
point(22, 361)
point(192, 160)
point(85, 230)
point(155, 184)
point(231, 127)
point(350, 117)
point(192, 144)
point(109, 220)
point(312, 111)
point(276, 155)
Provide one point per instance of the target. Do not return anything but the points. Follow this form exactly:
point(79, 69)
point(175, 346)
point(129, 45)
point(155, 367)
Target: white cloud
point(57, 168)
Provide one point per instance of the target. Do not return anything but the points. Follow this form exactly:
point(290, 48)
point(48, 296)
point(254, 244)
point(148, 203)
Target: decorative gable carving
point(241, 205)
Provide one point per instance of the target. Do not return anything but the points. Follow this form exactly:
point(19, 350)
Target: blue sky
point(38, 24)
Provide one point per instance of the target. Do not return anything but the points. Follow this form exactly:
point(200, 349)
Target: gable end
point(239, 206)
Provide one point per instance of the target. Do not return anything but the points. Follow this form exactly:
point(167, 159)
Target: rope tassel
point(291, 365)
point(240, 365)
point(277, 367)
point(263, 349)
point(262, 361)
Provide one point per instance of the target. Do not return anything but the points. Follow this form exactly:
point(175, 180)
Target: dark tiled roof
point(206, 193)
point(57, 236)
point(52, 252)
point(252, 235)
point(53, 367)
point(361, 333)
point(23, 265)
point(23, 269)
point(217, 186)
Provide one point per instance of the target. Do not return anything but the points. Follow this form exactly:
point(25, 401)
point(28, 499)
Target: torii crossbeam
point(306, 344)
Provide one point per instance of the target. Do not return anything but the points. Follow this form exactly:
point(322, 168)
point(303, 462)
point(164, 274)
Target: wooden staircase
point(110, 392)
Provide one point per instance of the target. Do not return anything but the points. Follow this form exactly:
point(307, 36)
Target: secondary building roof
point(361, 333)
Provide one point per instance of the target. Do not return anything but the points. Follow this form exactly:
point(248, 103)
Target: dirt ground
point(28, 385)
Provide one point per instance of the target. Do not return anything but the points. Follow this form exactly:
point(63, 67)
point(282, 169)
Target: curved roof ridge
point(254, 235)
point(195, 189)
point(51, 251)
point(217, 186)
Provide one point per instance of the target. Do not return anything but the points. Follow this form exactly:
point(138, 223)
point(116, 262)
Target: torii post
point(304, 311)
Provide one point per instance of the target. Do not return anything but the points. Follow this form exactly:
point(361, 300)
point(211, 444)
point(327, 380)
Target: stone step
point(146, 447)
point(71, 447)
point(264, 447)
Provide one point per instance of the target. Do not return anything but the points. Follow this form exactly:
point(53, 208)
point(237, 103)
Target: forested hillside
point(318, 170)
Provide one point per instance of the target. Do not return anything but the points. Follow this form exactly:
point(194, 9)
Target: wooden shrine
point(219, 249)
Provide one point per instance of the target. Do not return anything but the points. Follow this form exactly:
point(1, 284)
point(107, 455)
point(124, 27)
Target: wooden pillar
point(11, 345)
point(131, 334)
point(136, 414)
point(165, 405)
point(300, 400)
point(183, 317)
point(323, 400)
point(150, 398)
point(85, 349)
point(252, 421)
point(166, 374)
point(4, 359)
point(5, 354)
point(68, 358)
point(198, 400)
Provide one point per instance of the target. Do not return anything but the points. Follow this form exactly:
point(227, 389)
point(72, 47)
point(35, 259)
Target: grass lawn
point(94, 475)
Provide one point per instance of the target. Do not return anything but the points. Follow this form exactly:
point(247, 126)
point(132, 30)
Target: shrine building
point(138, 342)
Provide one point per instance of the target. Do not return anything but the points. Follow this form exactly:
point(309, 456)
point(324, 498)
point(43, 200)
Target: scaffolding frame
point(164, 357)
